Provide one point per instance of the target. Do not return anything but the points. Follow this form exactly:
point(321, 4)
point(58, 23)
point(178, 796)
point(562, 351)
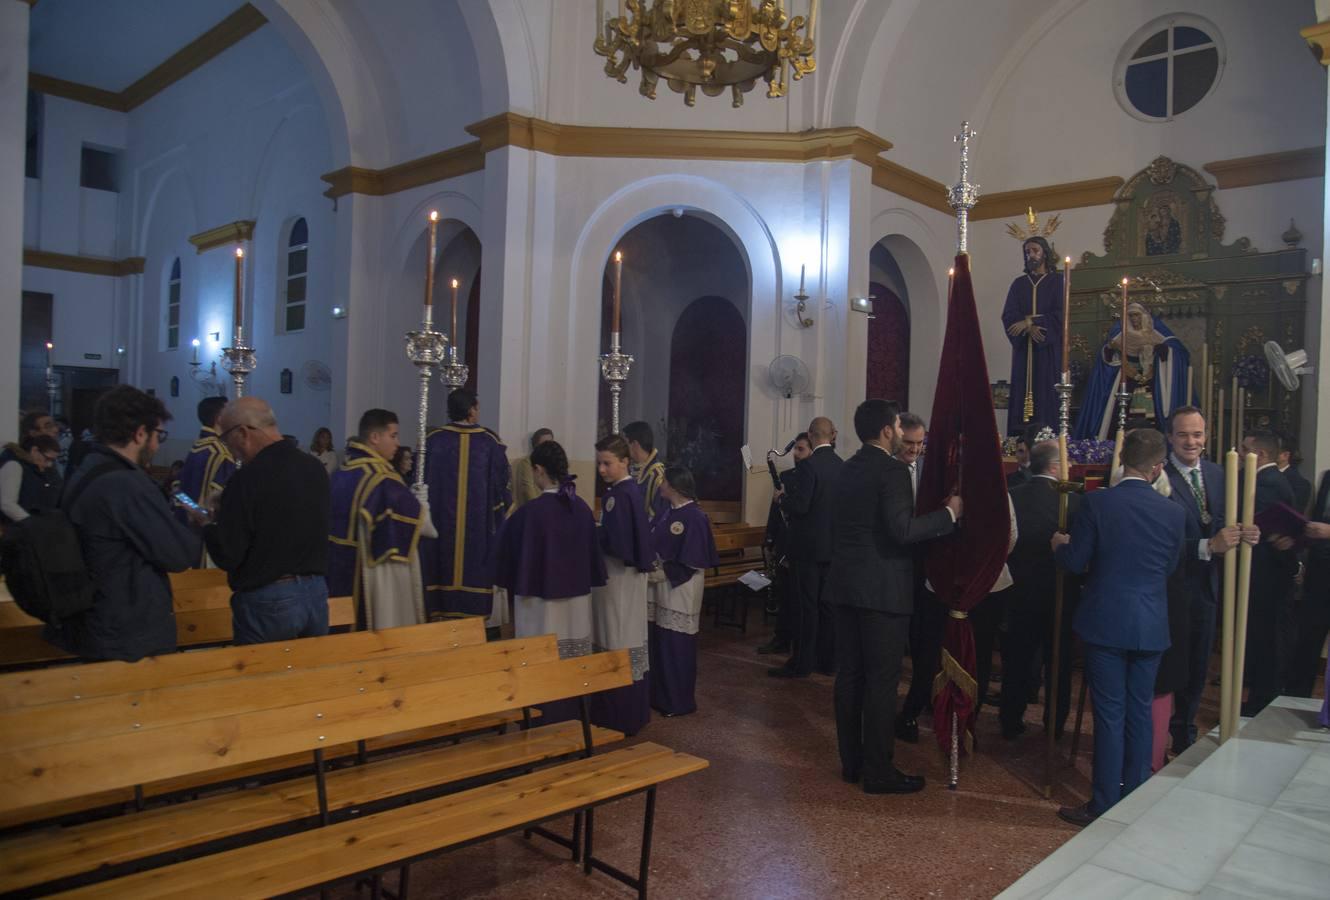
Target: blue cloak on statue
point(1156, 349)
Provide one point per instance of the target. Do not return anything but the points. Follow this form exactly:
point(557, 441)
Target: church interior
point(215, 174)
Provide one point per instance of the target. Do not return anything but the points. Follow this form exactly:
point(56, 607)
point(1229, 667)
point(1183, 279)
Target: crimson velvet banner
point(964, 456)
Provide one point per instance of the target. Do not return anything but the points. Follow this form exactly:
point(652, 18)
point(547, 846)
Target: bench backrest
point(740, 539)
point(197, 578)
point(54, 752)
point(87, 680)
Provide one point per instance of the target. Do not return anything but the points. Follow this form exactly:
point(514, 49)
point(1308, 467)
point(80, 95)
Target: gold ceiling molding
point(427, 170)
point(1070, 195)
point(910, 184)
point(88, 265)
point(513, 130)
point(1318, 39)
point(216, 40)
point(229, 233)
point(1267, 168)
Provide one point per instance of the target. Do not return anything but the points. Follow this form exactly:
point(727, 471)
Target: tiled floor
point(771, 818)
point(1248, 819)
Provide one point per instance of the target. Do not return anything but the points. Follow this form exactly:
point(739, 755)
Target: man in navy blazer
point(1129, 540)
point(1198, 487)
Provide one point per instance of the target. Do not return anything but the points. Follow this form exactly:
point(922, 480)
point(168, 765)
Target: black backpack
point(42, 560)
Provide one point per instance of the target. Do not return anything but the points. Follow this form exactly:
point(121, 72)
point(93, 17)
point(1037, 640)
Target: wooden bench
point(53, 752)
point(735, 549)
point(723, 513)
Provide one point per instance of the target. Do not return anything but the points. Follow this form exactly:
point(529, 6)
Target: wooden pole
point(1226, 717)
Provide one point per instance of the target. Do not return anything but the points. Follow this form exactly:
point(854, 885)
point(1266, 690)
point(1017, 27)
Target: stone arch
point(905, 235)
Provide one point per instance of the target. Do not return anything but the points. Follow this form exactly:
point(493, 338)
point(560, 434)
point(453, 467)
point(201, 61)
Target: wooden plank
point(214, 597)
point(260, 769)
point(197, 578)
point(41, 857)
point(93, 718)
point(35, 775)
point(303, 860)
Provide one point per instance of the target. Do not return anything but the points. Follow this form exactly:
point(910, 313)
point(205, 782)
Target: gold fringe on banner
point(955, 673)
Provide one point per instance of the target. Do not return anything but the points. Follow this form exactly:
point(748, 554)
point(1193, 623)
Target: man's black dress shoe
point(907, 730)
point(1010, 733)
point(849, 777)
point(1080, 816)
point(785, 672)
point(901, 784)
point(773, 646)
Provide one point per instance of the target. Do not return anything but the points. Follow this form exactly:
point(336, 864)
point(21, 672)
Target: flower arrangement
point(1252, 372)
point(1089, 451)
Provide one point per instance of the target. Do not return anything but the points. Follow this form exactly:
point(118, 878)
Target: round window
point(1168, 67)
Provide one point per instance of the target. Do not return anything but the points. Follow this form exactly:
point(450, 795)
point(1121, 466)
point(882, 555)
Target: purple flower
point(1252, 372)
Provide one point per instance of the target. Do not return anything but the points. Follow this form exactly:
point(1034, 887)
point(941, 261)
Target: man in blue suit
point(1129, 540)
point(1198, 487)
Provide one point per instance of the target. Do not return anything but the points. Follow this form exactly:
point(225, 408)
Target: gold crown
point(1035, 230)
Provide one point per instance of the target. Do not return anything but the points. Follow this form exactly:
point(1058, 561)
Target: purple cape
point(207, 468)
point(649, 478)
point(682, 539)
point(548, 549)
point(1047, 355)
point(368, 489)
point(466, 468)
point(624, 532)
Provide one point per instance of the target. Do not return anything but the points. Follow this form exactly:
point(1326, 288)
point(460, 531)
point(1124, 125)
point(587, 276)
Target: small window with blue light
point(1168, 67)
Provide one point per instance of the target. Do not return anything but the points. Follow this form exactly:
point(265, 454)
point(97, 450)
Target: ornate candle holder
point(52, 390)
point(614, 368)
point(1064, 388)
point(1124, 402)
point(454, 373)
point(425, 349)
point(239, 360)
point(964, 194)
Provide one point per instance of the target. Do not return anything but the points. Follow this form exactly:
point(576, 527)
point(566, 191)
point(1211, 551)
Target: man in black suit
point(1025, 442)
point(808, 508)
point(1198, 487)
point(1274, 564)
point(778, 545)
point(1305, 667)
point(930, 616)
point(872, 586)
point(1288, 465)
point(1030, 603)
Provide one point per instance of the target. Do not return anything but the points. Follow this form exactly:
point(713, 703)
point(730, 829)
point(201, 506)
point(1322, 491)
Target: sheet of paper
point(747, 455)
point(754, 580)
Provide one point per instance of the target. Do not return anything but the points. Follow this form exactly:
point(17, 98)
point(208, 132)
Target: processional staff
point(425, 349)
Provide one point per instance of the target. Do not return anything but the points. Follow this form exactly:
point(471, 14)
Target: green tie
point(1199, 494)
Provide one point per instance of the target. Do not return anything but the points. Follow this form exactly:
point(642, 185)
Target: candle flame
point(434, 215)
point(240, 252)
point(618, 257)
point(454, 282)
point(50, 346)
point(951, 271)
point(195, 342)
point(1124, 280)
point(1067, 260)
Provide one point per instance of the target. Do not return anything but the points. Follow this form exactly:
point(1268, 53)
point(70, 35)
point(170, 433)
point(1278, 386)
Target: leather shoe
point(901, 784)
point(907, 730)
point(1010, 733)
point(773, 646)
point(1080, 816)
point(784, 672)
point(849, 777)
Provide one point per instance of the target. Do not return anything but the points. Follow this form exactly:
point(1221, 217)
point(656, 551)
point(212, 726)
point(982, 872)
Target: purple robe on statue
point(207, 468)
point(683, 541)
point(1041, 296)
point(466, 468)
point(368, 491)
point(619, 609)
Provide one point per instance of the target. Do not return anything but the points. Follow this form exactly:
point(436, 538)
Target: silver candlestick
point(614, 368)
point(1124, 400)
point(454, 373)
point(1064, 389)
point(239, 360)
point(52, 390)
point(962, 196)
point(425, 349)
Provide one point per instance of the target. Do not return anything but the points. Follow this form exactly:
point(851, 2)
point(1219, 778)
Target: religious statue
point(1155, 370)
point(1032, 316)
point(1163, 231)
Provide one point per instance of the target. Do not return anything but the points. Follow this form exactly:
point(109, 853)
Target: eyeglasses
point(162, 435)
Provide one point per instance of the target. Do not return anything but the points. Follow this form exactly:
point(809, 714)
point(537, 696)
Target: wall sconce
point(215, 337)
point(286, 381)
point(863, 305)
point(339, 312)
point(802, 306)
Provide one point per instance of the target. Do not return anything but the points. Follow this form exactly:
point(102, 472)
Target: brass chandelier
point(707, 44)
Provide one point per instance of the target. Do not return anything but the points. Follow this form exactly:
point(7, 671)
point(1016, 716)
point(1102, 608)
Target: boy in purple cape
point(466, 468)
point(646, 467)
point(208, 466)
point(682, 540)
point(376, 523)
point(547, 557)
point(619, 609)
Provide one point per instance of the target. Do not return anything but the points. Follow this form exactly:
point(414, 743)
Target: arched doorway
point(460, 259)
point(888, 347)
point(706, 396)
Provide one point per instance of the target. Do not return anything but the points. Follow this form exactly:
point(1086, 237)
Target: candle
point(618, 287)
point(239, 311)
point(195, 342)
point(1243, 584)
point(1227, 720)
point(1189, 389)
point(1205, 383)
point(49, 347)
point(801, 279)
point(812, 24)
point(1241, 418)
point(600, 18)
point(452, 335)
point(1219, 420)
point(1066, 321)
point(430, 255)
point(951, 277)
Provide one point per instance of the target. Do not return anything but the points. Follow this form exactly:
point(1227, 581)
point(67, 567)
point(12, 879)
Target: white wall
point(13, 111)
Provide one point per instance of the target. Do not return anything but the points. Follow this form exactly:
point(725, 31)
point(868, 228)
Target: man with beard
point(1033, 319)
point(129, 536)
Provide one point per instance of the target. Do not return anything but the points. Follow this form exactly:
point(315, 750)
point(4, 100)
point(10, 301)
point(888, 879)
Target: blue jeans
point(281, 611)
point(1122, 686)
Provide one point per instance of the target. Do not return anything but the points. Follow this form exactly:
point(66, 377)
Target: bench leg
point(577, 836)
point(586, 855)
point(403, 881)
point(322, 786)
point(376, 887)
point(648, 823)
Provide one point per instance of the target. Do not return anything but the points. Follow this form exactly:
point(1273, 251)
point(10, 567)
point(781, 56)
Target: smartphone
point(188, 502)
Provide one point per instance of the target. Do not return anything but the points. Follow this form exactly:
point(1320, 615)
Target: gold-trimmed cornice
point(88, 265)
point(1267, 168)
point(1318, 39)
point(910, 184)
point(229, 233)
point(426, 170)
point(1069, 195)
point(221, 37)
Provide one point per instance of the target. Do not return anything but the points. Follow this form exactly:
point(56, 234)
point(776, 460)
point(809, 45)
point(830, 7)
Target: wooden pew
point(740, 550)
point(55, 751)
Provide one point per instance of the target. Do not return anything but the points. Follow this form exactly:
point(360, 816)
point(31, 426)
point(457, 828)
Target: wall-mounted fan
point(789, 375)
point(316, 375)
point(1287, 366)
